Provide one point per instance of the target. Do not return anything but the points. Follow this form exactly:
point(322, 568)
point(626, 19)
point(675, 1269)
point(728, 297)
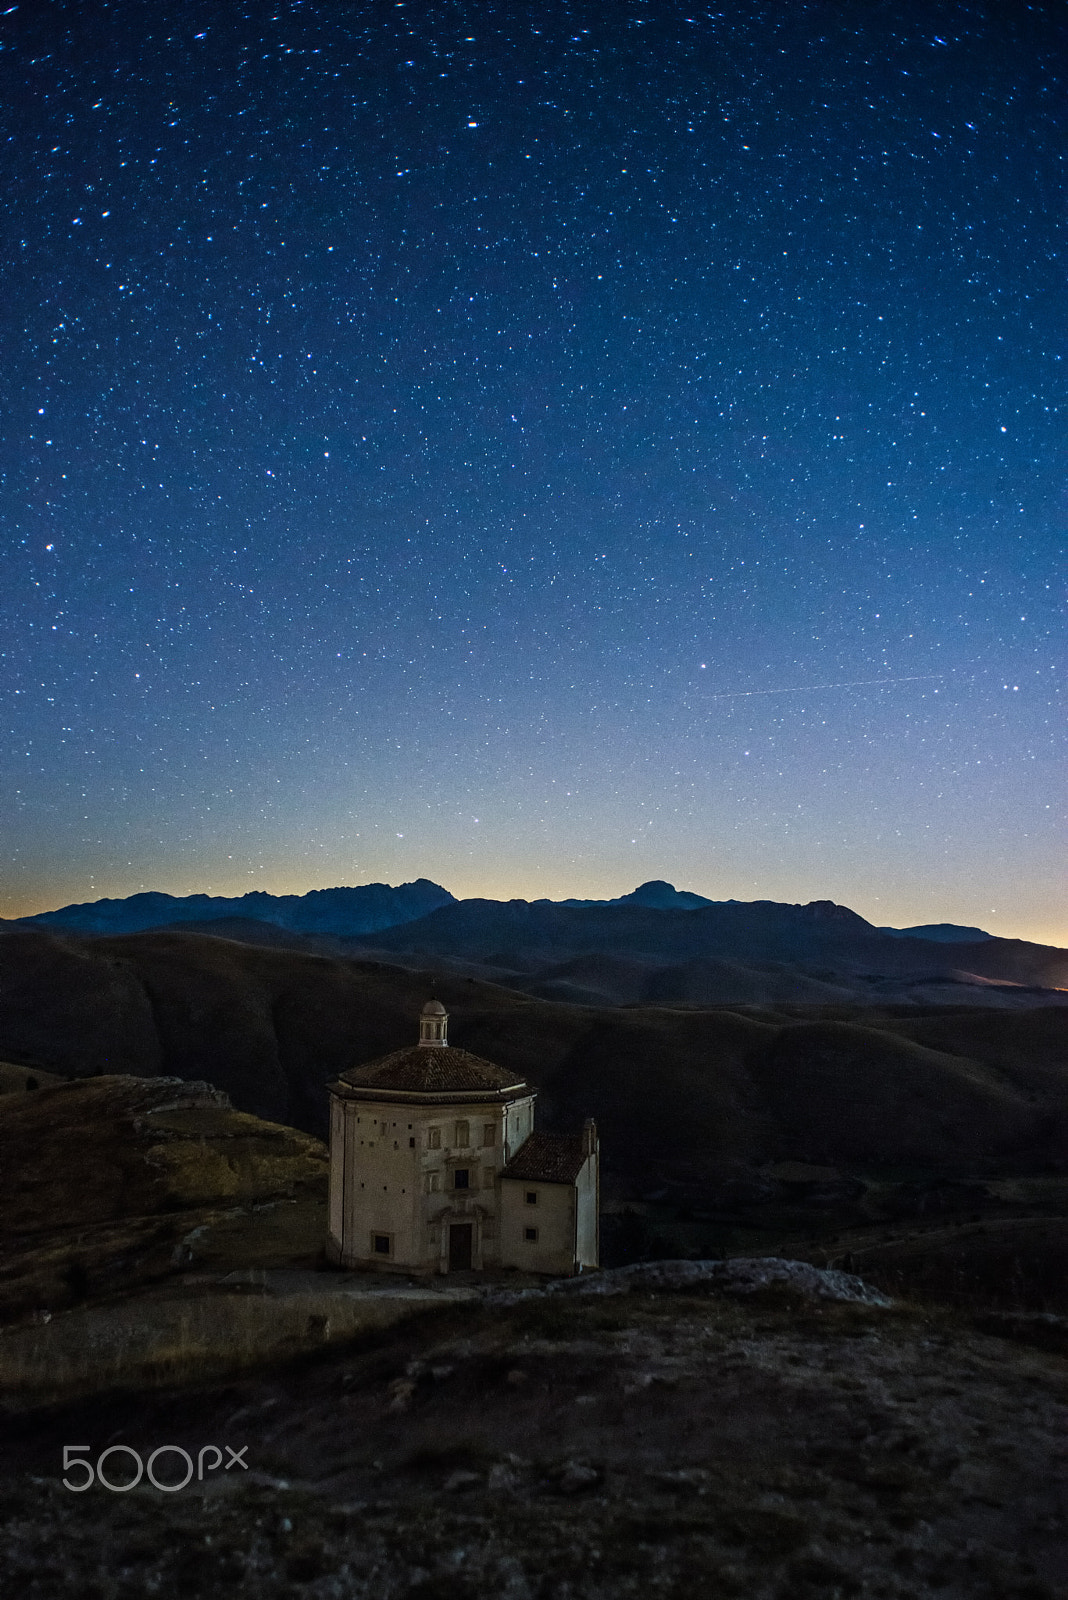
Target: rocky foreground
point(756, 1427)
point(759, 1435)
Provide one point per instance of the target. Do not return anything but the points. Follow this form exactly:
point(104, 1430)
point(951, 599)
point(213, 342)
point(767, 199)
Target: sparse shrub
point(813, 1575)
point(446, 1455)
point(443, 1586)
point(770, 1533)
point(310, 1561)
point(76, 1277)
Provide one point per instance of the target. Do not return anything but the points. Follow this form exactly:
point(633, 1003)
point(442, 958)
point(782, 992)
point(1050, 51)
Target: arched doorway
point(461, 1238)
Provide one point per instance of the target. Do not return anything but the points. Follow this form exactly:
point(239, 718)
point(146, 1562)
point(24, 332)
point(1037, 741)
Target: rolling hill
point(686, 1094)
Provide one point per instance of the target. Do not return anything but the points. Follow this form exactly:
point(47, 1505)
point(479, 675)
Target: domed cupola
point(434, 1025)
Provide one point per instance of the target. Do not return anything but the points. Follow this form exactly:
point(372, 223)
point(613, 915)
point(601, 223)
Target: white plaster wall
point(337, 1182)
point(519, 1126)
point(387, 1179)
point(554, 1218)
point(587, 1201)
point(381, 1183)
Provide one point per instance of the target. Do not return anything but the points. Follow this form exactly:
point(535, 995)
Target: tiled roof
point(548, 1158)
point(439, 1070)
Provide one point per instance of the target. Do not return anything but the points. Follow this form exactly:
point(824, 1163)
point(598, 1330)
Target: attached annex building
point(435, 1166)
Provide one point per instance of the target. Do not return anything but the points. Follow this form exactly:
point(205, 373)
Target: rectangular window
point(531, 1197)
point(433, 1138)
point(463, 1135)
point(433, 1182)
point(382, 1244)
point(530, 1235)
point(384, 1128)
point(461, 1178)
point(487, 1177)
point(489, 1135)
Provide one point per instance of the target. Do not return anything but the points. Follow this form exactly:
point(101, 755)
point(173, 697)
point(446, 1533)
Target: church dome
point(432, 1074)
point(431, 1070)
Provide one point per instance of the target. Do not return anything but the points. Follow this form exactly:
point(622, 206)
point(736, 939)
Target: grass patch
point(156, 1343)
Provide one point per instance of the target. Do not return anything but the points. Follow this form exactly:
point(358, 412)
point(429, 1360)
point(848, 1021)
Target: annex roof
point(548, 1158)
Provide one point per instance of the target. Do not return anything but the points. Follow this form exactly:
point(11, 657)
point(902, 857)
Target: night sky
point(539, 448)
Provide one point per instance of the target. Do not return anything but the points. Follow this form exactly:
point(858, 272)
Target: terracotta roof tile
point(419, 1070)
point(548, 1158)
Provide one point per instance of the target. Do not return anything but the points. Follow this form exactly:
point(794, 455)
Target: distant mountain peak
point(831, 911)
point(940, 933)
point(659, 895)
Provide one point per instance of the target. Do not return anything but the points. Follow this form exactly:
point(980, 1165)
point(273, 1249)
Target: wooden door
point(460, 1246)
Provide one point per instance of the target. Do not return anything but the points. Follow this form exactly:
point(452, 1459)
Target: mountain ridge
point(820, 941)
point(364, 908)
point(350, 910)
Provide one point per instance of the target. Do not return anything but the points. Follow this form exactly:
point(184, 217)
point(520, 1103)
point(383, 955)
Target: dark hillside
point(730, 951)
point(1027, 1047)
point(836, 1088)
point(681, 1095)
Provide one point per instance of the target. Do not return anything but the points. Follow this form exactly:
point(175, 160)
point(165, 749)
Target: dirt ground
point(578, 1449)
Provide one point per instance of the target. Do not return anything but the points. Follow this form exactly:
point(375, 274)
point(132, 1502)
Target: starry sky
point(538, 447)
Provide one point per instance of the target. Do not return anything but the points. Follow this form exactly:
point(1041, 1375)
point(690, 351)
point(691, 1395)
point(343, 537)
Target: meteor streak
point(811, 688)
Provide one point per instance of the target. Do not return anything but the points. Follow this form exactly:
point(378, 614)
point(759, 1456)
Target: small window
point(488, 1176)
point(411, 1143)
point(384, 1129)
point(433, 1138)
point(461, 1178)
point(531, 1197)
point(489, 1135)
point(530, 1235)
point(433, 1182)
point(382, 1244)
point(463, 1135)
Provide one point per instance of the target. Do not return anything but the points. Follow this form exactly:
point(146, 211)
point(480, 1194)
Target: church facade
point(436, 1167)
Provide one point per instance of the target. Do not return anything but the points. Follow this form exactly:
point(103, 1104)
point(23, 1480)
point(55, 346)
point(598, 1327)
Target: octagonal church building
point(435, 1166)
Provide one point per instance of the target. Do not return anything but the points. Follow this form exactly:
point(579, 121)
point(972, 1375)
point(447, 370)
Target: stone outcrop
point(114, 1182)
